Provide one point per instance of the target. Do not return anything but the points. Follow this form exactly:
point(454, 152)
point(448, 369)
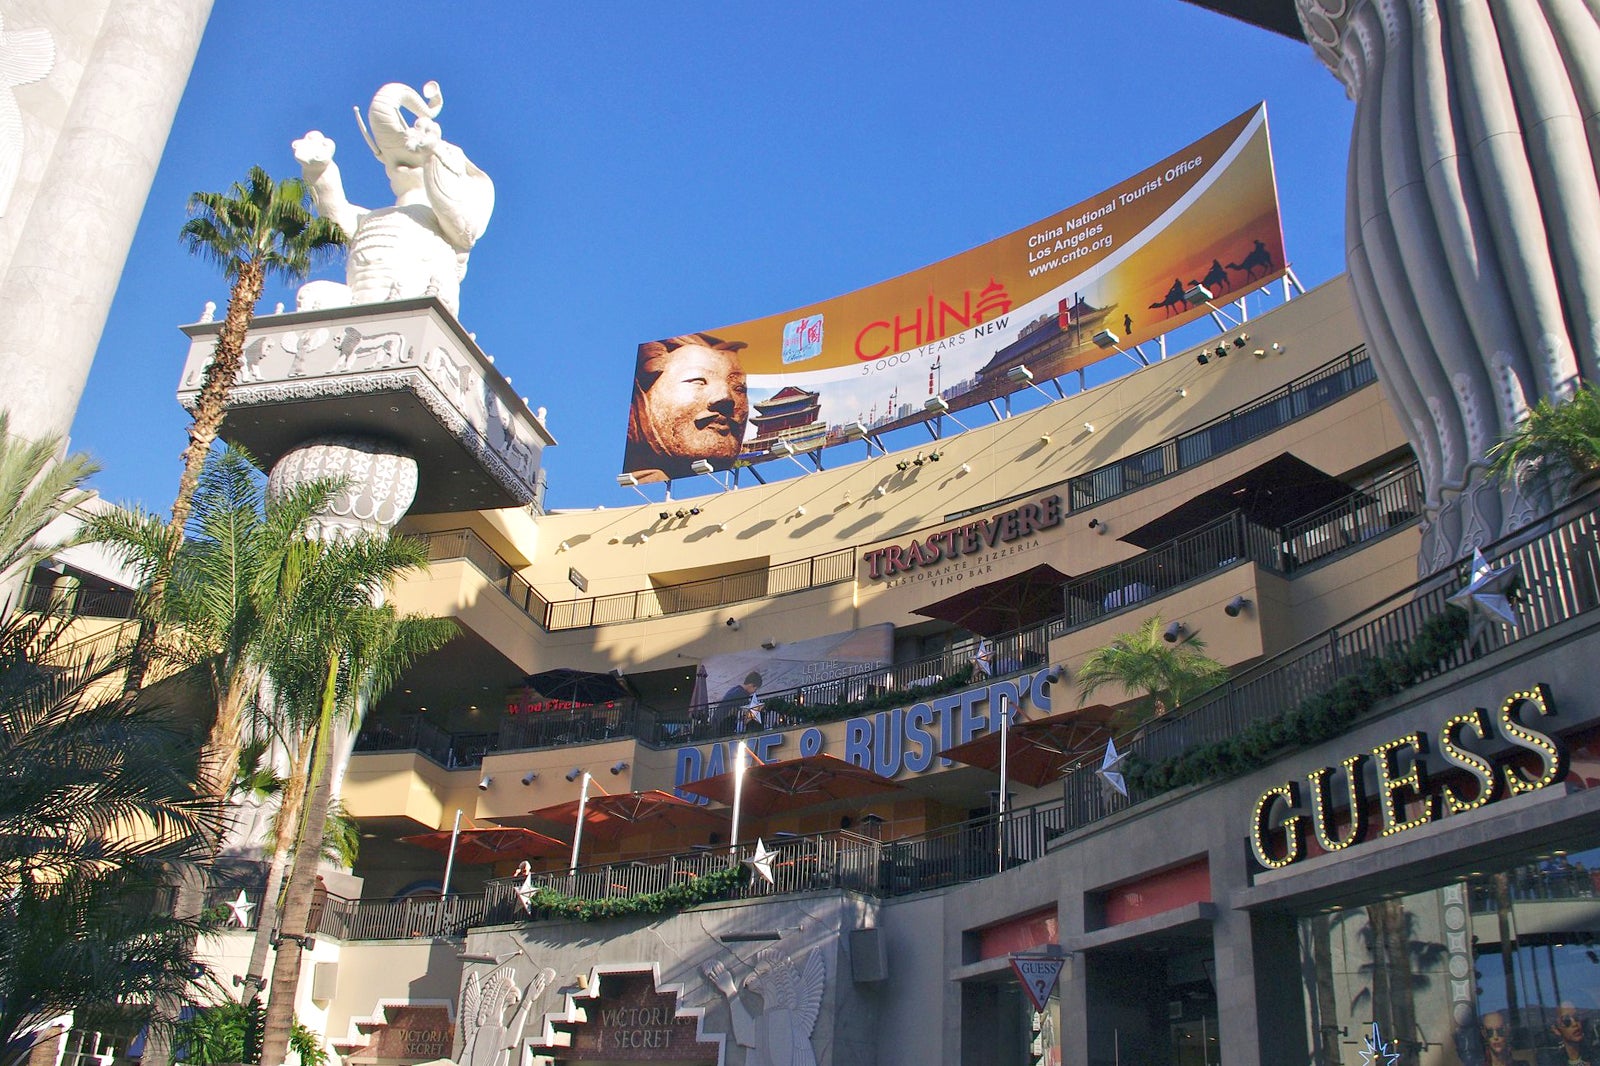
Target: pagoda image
point(792, 415)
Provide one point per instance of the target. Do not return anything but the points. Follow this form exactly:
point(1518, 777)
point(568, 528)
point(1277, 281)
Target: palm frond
point(34, 490)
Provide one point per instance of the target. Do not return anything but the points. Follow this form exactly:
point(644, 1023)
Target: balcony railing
point(1560, 579)
point(1300, 397)
point(70, 599)
point(1392, 503)
point(546, 729)
point(373, 919)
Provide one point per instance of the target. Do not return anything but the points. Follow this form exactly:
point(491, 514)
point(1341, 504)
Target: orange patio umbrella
point(1038, 752)
point(609, 817)
point(792, 785)
point(490, 844)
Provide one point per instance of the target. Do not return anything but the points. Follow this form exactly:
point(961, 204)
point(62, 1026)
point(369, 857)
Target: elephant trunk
point(386, 114)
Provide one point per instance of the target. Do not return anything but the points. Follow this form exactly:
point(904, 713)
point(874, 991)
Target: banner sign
point(1115, 266)
point(1038, 974)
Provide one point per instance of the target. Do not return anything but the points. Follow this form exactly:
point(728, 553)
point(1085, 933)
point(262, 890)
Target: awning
point(577, 686)
point(795, 784)
point(609, 818)
point(1040, 751)
point(1272, 495)
point(1004, 605)
point(490, 844)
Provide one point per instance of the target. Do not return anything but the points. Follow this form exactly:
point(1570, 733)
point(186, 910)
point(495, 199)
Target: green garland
point(547, 903)
point(883, 701)
point(1317, 718)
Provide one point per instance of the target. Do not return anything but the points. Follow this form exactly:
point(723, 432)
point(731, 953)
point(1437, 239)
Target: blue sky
point(664, 168)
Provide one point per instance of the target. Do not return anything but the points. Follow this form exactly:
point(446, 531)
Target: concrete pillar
point(1472, 204)
point(72, 222)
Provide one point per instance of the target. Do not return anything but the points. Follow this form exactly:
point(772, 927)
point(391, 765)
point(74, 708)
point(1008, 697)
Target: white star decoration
point(1108, 768)
point(761, 861)
point(1486, 594)
point(1377, 1052)
point(239, 910)
point(526, 891)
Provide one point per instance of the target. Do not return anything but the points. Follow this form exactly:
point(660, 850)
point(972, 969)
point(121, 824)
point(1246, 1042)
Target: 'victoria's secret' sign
point(971, 539)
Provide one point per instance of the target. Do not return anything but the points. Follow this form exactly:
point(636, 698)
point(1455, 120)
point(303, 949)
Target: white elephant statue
point(418, 247)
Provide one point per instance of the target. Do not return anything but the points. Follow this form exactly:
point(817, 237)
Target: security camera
point(530, 777)
point(484, 782)
point(1173, 632)
point(1235, 606)
point(618, 767)
point(574, 773)
point(732, 623)
point(1098, 526)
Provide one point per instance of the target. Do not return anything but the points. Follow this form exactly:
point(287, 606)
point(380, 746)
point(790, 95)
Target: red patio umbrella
point(609, 817)
point(1040, 751)
point(490, 844)
point(776, 787)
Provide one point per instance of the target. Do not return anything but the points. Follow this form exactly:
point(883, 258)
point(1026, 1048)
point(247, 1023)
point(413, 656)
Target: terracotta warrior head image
point(689, 402)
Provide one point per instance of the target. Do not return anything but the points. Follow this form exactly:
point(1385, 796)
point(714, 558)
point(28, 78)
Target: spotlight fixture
point(1182, 391)
point(1088, 427)
point(1220, 351)
point(1241, 340)
point(644, 538)
point(934, 457)
point(800, 512)
point(1235, 606)
point(936, 405)
point(783, 448)
point(484, 782)
point(769, 644)
point(732, 623)
point(902, 465)
point(966, 468)
point(1277, 349)
point(1202, 359)
point(880, 491)
point(664, 515)
point(701, 466)
point(574, 773)
point(1044, 438)
point(1055, 673)
point(722, 527)
point(1196, 295)
point(618, 767)
point(564, 546)
point(530, 777)
point(627, 481)
point(1106, 339)
point(694, 511)
point(852, 431)
point(918, 461)
point(1260, 353)
point(1019, 375)
point(1098, 526)
point(1173, 632)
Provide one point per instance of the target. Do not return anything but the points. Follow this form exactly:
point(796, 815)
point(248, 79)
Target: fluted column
point(1472, 226)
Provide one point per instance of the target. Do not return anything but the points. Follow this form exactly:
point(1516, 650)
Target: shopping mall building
point(1374, 839)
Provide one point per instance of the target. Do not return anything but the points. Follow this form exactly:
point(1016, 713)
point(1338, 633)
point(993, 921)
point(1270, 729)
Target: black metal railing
point(1300, 397)
point(1391, 503)
point(68, 598)
point(373, 919)
point(516, 732)
point(1559, 572)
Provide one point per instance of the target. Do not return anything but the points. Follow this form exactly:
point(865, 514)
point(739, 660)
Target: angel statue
point(791, 999)
point(418, 247)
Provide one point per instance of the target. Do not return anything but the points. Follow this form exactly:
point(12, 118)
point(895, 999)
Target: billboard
point(1117, 263)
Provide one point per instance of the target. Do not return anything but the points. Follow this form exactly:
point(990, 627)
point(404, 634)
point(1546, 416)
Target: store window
point(1500, 968)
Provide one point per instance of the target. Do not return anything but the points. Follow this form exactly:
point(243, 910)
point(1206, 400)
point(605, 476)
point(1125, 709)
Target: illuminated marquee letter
point(1322, 804)
point(1552, 751)
point(1292, 827)
point(1391, 782)
point(1476, 765)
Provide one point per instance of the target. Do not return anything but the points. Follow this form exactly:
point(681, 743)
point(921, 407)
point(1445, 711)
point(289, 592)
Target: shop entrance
point(628, 1021)
point(1155, 1005)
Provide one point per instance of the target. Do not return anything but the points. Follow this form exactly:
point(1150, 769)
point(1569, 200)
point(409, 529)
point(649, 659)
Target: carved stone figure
point(25, 56)
point(418, 247)
point(380, 480)
point(791, 999)
point(494, 1014)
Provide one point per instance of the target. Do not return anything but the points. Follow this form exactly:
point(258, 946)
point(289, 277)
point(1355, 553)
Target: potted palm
point(1558, 441)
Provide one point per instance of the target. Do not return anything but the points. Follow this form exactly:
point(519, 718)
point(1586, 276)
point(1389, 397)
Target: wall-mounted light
point(627, 481)
point(644, 538)
point(1202, 359)
point(484, 782)
point(1182, 391)
point(936, 405)
point(1197, 295)
point(1235, 606)
point(1088, 427)
point(664, 515)
point(965, 468)
point(783, 448)
point(618, 766)
point(1220, 351)
point(574, 773)
point(880, 491)
point(721, 527)
point(1106, 339)
point(1098, 526)
point(903, 465)
point(1173, 631)
point(564, 546)
point(1276, 348)
point(800, 512)
point(1241, 340)
point(702, 466)
point(934, 457)
point(732, 623)
point(530, 777)
point(769, 644)
point(1044, 438)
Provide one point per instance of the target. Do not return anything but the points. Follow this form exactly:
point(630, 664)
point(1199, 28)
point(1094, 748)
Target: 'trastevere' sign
point(969, 539)
point(1284, 812)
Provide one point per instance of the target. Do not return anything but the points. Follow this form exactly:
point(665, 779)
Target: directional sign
point(1038, 974)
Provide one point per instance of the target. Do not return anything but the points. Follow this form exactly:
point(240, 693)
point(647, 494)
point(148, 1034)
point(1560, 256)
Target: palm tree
point(341, 653)
point(34, 491)
point(1162, 674)
point(1560, 441)
point(259, 228)
point(97, 801)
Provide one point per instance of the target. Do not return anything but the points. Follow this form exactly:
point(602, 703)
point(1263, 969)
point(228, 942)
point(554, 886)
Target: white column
point(59, 282)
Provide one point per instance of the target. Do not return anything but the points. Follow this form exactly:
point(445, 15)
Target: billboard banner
point(1115, 266)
